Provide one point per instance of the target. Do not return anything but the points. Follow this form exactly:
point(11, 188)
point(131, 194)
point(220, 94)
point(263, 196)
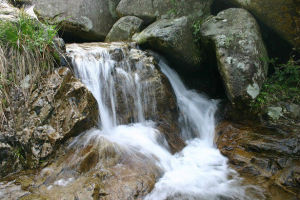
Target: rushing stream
point(198, 171)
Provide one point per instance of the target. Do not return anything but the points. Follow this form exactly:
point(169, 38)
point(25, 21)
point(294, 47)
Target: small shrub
point(282, 86)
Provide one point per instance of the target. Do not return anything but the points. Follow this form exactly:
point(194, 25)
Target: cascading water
point(199, 171)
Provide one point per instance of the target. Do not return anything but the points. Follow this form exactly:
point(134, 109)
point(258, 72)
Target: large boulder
point(87, 20)
point(149, 10)
point(124, 29)
point(240, 53)
point(174, 39)
point(264, 155)
point(59, 108)
point(281, 16)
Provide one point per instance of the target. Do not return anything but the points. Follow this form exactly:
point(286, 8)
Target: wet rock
point(92, 168)
point(174, 39)
point(59, 108)
point(124, 29)
point(150, 10)
point(281, 16)
point(239, 48)
point(87, 20)
point(264, 156)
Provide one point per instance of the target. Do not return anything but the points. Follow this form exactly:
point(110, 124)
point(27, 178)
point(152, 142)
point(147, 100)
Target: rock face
point(281, 16)
point(174, 39)
point(59, 108)
point(264, 156)
point(240, 52)
point(88, 20)
point(124, 29)
point(153, 9)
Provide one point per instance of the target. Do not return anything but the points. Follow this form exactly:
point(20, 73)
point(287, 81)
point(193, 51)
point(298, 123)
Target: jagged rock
point(263, 156)
point(59, 108)
point(124, 29)
point(88, 20)
point(151, 10)
point(281, 16)
point(174, 39)
point(240, 52)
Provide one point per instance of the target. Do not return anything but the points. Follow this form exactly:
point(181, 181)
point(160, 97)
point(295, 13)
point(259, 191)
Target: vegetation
point(27, 51)
point(282, 86)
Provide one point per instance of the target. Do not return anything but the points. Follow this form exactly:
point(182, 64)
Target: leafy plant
point(283, 85)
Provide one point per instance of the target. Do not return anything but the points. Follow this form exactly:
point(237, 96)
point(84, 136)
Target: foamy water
point(199, 171)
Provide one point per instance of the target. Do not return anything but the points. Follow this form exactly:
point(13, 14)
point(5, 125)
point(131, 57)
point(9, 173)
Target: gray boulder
point(239, 50)
point(174, 39)
point(281, 16)
point(88, 20)
point(124, 29)
point(149, 10)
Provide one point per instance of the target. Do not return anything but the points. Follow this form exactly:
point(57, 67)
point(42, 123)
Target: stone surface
point(88, 168)
point(87, 20)
point(155, 9)
point(281, 16)
point(274, 112)
point(174, 39)
point(124, 29)
point(265, 156)
point(59, 108)
point(8, 12)
point(240, 52)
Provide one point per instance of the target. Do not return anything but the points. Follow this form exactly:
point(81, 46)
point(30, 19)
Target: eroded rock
point(266, 156)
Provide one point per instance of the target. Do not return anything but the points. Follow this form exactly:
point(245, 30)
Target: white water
point(199, 171)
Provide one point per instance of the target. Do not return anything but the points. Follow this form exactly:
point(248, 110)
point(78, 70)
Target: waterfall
point(199, 171)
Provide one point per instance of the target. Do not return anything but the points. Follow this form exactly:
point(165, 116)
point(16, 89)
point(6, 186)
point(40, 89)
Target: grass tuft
point(27, 51)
